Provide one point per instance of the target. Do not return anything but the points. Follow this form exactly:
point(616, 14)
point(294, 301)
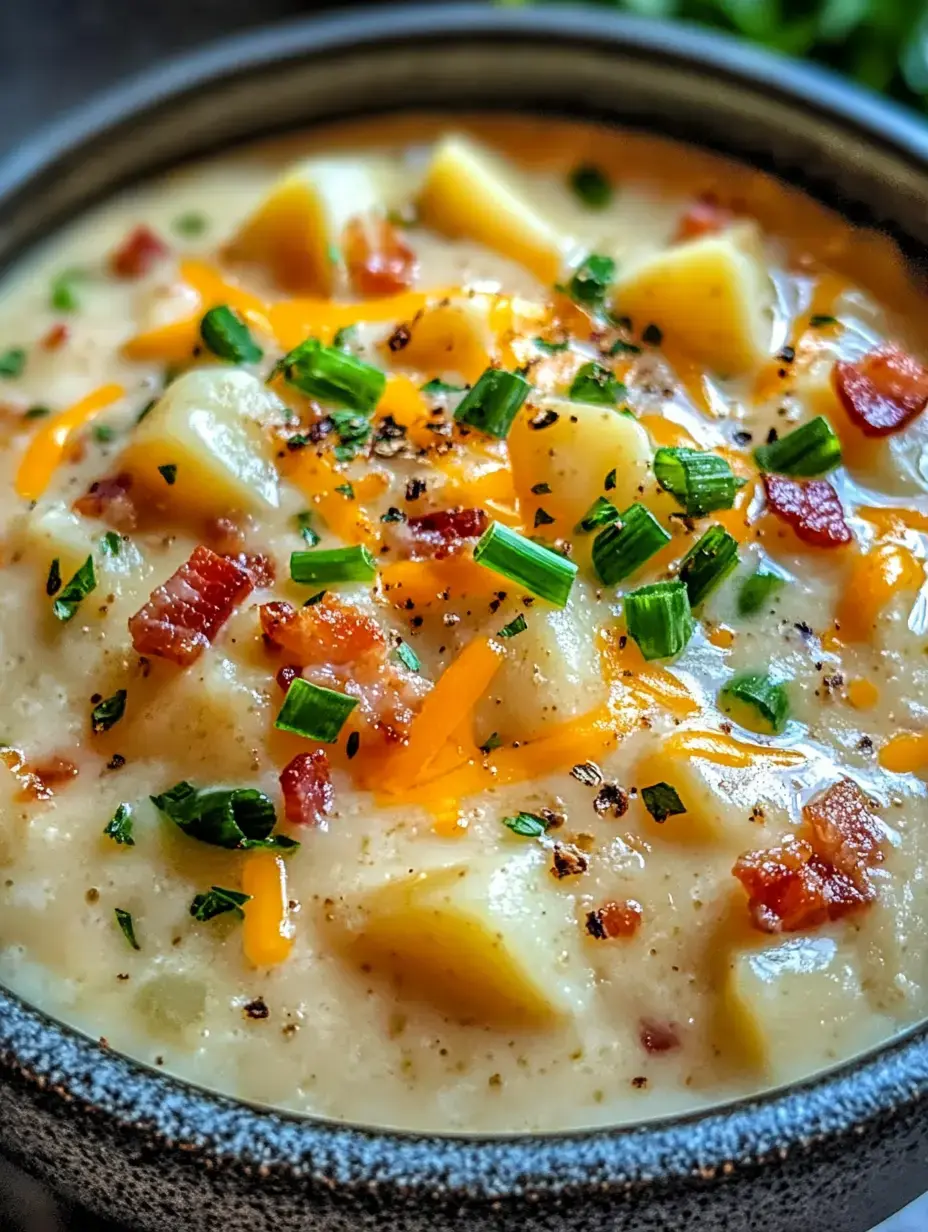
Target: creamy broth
point(513, 907)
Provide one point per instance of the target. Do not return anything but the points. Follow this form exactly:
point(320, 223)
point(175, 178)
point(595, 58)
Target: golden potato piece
point(297, 229)
point(712, 298)
point(51, 531)
point(490, 942)
point(469, 192)
point(573, 456)
point(208, 424)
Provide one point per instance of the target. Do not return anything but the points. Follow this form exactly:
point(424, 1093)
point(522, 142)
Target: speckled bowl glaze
point(839, 1152)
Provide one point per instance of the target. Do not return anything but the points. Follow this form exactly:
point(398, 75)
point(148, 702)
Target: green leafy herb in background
point(881, 43)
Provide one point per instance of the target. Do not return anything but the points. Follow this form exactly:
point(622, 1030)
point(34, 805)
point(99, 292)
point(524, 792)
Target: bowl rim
point(40, 1052)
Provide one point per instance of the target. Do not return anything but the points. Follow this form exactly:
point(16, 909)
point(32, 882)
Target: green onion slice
point(218, 901)
point(334, 376)
point(602, 512)
point(314, 712)
point(624, 546)
point(516, 626)
point(811, 449)
point(597, 385)
point(698, 481)
point(708, 563)
point(326, 566)
point(591, 280)
point(658, 618)
point(75, 592)
point(119, 827)
point(404, 653)
point(227, 336)
point(662, 801)
point(591, 185)
point(757, 702)
point(758, 588)
point(127, 925)
point(493, 402)
point(530, 565)
point(235, 818)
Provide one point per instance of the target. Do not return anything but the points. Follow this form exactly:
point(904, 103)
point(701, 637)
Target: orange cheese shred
point(428, 581)
point(294, 320)
point(871, 582)
point(625, 668)
point(318, 480)
point(46, 449)
point(862, 694)
point(905, 753)
point(725, 750)
point(267, 934)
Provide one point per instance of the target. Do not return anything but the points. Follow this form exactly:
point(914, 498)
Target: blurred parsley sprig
point(882, 43)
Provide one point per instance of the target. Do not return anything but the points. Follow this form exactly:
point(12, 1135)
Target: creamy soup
point(462, 628)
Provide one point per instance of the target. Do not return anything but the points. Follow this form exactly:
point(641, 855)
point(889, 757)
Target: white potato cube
point(51, 531)
point(712, 298)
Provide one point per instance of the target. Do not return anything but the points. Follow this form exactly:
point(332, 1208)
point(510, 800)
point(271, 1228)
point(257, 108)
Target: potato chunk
point(573, 456)
point(208, 424)
point(51, 531)
point(806, 988)
point(470, 192)
point(489, 941)
point(711, 297)
point(297, 229)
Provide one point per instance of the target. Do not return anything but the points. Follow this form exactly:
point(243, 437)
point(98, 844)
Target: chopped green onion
point(334, 376)
point(190, 224)
point(53, 581)
point(354, 430)
point(314, 712)
point(12, 362)
point(708, 563)
point(37, 412)
point(658, 618)
point(239, 818)
point(698, 481)
point(602, 512)
point(74, 593)
point(405, 654)
point(757, 702)
point(592, 280)
point(652, 335)
point(818, 320)
point(435, 386)
point(757, 589)
point(597, 385)
point(119, 827)
point(662, 801)
point(329, 565)
point(551, 348)
point(625, 545)
point(108, 712)
point(530, 565)
point(227, 336)
point(526, 825)
point(516, 626)
point(217, 901)
point(493, 402)
point(591, 186)
point(111, 543)
point(168, 473)
point(304, 526)
point(811, 449)
point(125, 922)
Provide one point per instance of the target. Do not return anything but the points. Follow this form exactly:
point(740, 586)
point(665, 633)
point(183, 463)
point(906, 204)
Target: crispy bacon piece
point(137, 254)
point(811, 507)
point(704, 217)
point(329, 632)
point(378, 259)
point(614, 919)
point(882, 392)
point(224, 536)
point(183, 616)
point(108, 499)
point(56, 337)
point(805, 881)
point(307, 788)
point(657, 1036)
point(436, 535)
point(38, 782)
point(260, 568)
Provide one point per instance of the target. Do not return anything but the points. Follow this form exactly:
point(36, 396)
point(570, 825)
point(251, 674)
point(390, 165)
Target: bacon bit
point(224, 536)
point(378, 259)
point(812, 508)
point(806, 881)
point(108, 499)
point(56, 337)
point(287, 674)
point(138, 253)
point(38, 782)
point(438, 535)
point(307, 788)
point(568, 861)
point(619, 919)
point(183, 615)
point(703, 217)
point(260, 568)
point(882, 392)
point(657, 1036)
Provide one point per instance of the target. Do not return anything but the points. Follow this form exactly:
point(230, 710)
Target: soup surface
point(462, 628)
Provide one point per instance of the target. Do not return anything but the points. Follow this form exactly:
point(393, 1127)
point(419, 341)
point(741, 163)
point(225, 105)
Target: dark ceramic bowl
point(839, 1152)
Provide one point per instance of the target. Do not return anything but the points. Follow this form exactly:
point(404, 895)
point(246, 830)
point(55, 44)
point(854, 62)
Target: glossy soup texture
point(463, 628)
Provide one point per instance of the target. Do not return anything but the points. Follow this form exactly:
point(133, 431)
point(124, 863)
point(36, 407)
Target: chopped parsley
point(393, 515)
point(125, 922)
point(591, 185)
point(304, 520)
point(652, 335)
point(12, 362)
point(190, 224)
point(493, 741)
point(217, 901)
point(662, 801)
point(64, 296)
point(168, 473)
point(609, 481)
point(596, 384)
point(37, 412)
point(551, 348)
point(354, 431)
point(235, 818)
point(435, 386)
point(119, 827)
point(346, 490)
point(74, 593)
point(514, 628)
point(111, 543)
point(53, 581)
point(108, 712)
point(527, 825)
point(591, 281)
point(103, 433)
point(820, 320)
point(542, 518)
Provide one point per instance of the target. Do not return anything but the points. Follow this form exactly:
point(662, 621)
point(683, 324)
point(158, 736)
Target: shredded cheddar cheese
point(46, 450)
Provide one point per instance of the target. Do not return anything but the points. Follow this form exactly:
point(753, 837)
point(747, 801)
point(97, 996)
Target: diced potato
point(297, 230)
point(712, 298)
point(491, 942)
point(52, 530)
point(452, 339)
point(208, 424)
point(551, 672)
point(470, 192)
point(806, 988)
point(170, 1005)
point(573, 456)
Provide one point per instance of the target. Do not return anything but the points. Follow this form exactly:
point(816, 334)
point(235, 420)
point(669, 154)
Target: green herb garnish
point(435, 386)
point(493, 402)
point(526, 825)
point(626, 543)
point(811, 449)
point(108, 712)
point(662, 801)
point(325, 566)
point(405, 654)
point(125, 922)
point(217, 901)
point(708, 563)
point(590, 184)
point(597, 385)
point(756, 701)
point(304, 526)
point(758, 588)
point(516, 626)
point(530, 565)
point(658, 618)
point(74, 593)
point(12, 362)
point(228, 337)
point(697, 480)
point(111, 543)
point(314, 712)
point(53, 581)
point(238, 818)
point(119, 827)
point(591, 281)
point(168, 473)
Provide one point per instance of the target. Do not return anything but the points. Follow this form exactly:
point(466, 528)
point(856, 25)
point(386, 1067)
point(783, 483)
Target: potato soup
point(463, 628)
